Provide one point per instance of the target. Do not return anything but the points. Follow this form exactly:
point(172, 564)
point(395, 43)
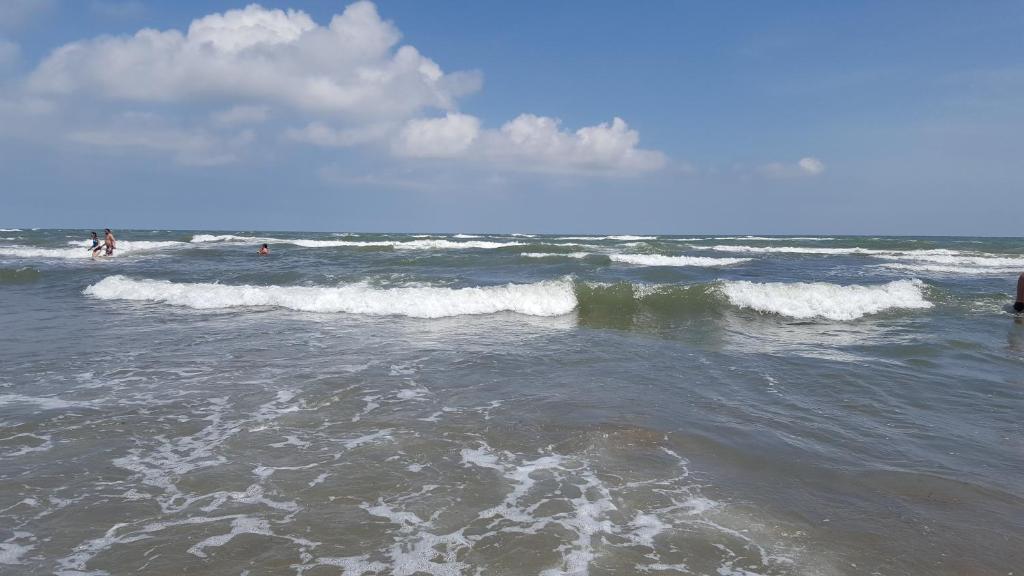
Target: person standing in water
point(1019, 304)
point(263, 251)
point(109, 241)
point(95, 248)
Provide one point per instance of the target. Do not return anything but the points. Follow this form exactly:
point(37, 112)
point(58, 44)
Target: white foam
point(788, 249)
point(624, 238)
point(821, 300)
point(952, 269)
point(660, 260)
point(241, 525)
point(123, 248)
point(422, 244)
point(576, 255)
point(772, 238)
point(954, 263)
point(548, 298)
point(11, 230)
point(11, 553)
point(466, 236)
point(44, 402)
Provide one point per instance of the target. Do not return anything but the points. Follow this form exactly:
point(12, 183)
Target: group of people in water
point(108, 245)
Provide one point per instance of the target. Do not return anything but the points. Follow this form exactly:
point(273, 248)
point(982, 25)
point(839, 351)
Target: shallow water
point(399, 404)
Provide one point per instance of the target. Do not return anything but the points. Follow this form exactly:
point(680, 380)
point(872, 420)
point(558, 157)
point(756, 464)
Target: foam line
point(549, 298)
point(659, 260)
point(821, 300)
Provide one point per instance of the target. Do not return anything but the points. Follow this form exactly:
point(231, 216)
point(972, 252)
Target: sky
point(666, 117)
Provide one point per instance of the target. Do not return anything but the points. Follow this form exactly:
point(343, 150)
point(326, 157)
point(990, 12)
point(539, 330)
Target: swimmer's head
point(1019, 306)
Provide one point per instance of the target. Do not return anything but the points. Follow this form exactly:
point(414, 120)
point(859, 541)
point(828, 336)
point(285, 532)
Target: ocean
point(500, 404)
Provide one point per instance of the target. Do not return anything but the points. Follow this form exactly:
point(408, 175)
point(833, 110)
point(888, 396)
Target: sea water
point(510, 404)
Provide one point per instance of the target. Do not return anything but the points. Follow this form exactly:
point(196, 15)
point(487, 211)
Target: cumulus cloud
point(446, 137)
point(344, 84)
point(530, 143)
point(804, 167)
point(348, 68)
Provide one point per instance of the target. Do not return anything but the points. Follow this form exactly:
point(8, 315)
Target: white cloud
point(150, 133)
point(348, 68)
point(241, 115)
point(446, 137)
point(811, 166)
point(348, 83)
point(530, 143)
point(804, 167)
point(321, 134)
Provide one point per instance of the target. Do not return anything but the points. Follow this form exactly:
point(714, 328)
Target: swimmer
point(263, 251)
point(95, 248)
point(109, 241)
point(1019, 304)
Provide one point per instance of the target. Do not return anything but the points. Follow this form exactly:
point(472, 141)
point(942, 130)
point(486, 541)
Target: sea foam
point(421, 244)
point(82, 251)
point(821, 300)
point(660, 260)
point(548, 298)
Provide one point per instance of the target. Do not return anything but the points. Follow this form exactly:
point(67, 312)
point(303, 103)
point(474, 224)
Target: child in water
point(263, 251)
point(95, 248)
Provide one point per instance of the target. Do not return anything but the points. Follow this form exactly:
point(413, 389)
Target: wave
point(466, 236)
point(82, 250)
point(549, 298)
point(659, 260)
point(952, 262)
point(11, 230)
point(821, 300)
point(577, 255)
point(624, 238)
point(18, 275)
point(951, 269)
point(739, 248)
point(773, 238)
point(421, 244)
point(610, 304)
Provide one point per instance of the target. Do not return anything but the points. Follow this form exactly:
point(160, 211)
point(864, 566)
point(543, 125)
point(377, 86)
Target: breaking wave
point(623, 238)
point(421, 244)
point(577, 255)
point(593, 301)
point(82, 251)
point(821, 300)
point(659, 260)
point(550, 298)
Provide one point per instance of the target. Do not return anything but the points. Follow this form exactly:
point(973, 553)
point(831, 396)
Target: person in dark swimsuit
point(95, 244)
point(1019, 304)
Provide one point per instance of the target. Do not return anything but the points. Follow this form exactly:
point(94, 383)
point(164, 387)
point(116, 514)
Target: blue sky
point(734, 117)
